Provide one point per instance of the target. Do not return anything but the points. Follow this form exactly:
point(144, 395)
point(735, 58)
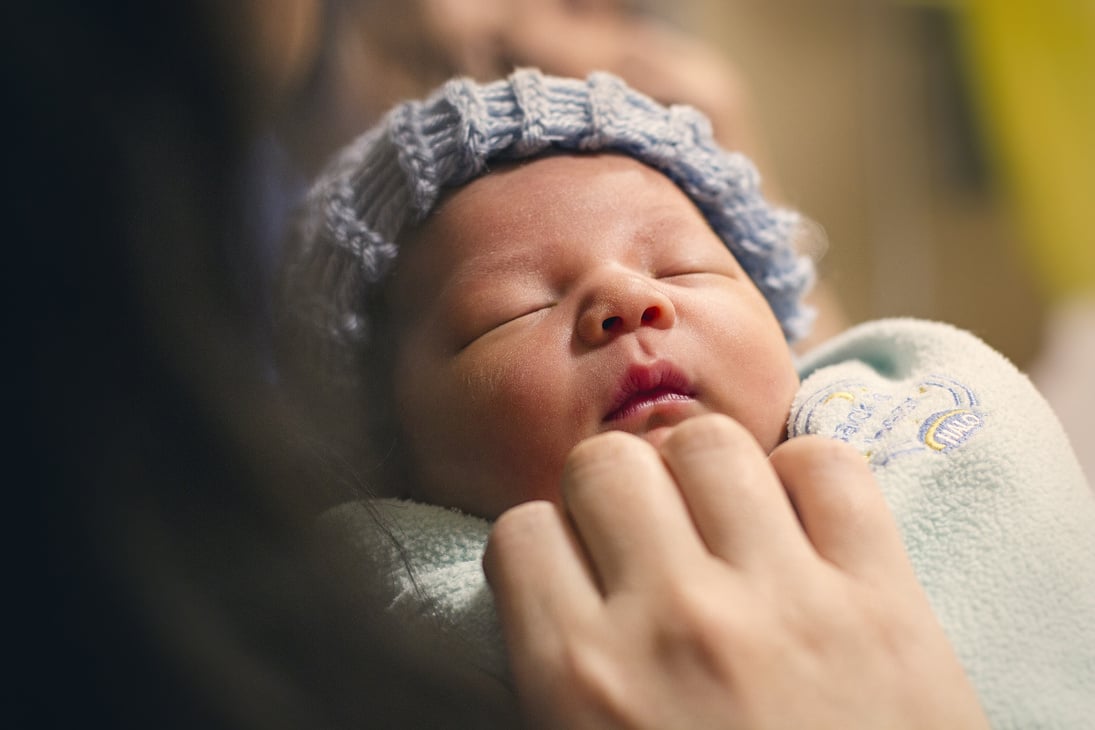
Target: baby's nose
point(620, 304)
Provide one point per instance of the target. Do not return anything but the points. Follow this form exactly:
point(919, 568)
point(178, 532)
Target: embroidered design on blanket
point(935, 414)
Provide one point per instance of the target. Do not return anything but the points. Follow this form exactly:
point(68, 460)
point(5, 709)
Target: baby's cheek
point(773, 406)
point(523, 409)
point(517, 379)
point(527, 413)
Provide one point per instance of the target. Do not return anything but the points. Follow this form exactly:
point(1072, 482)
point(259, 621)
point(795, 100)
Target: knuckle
point(596, 460)
point(607, 446)
point(516, 527)
point(837, 474)
point(813, 449)
point(709, 431)
point(518, 520)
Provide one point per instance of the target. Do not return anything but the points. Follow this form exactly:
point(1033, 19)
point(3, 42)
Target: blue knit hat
point(392, 176)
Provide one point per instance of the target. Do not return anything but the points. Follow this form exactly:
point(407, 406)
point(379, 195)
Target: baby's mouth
point(647, 386)
point(646, 399)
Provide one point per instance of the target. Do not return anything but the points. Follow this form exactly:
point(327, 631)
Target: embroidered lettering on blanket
point(934, 414)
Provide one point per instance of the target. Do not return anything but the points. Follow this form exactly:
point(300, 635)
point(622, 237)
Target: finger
point(840, 506)
point(540, 579)
point(627, 511)
point(735, 498)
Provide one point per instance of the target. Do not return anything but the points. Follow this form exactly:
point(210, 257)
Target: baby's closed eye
point(490, 322)
point(695, 274)
point(689, 261)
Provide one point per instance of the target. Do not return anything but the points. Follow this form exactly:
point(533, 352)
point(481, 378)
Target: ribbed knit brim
point(393, 175)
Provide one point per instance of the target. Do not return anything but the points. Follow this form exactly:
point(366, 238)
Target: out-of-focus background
point(945, 147)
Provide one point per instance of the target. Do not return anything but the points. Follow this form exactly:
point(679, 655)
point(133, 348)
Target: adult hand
point(701, 584)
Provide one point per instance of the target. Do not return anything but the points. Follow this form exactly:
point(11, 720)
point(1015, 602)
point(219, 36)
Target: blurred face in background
point(271, 45)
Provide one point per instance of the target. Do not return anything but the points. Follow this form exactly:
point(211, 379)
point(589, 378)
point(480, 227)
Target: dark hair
point(164, 506)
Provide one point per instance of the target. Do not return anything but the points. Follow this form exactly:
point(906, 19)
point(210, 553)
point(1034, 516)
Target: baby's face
point(551, 301)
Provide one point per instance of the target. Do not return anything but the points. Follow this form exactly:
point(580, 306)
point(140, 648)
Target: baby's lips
point(648, 399)
point(643, 385)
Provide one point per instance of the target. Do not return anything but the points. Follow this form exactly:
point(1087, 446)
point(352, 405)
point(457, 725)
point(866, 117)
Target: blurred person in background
point(381, 55)
point(162, 579)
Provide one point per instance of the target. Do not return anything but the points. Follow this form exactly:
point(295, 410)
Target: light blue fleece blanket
point(993, 508)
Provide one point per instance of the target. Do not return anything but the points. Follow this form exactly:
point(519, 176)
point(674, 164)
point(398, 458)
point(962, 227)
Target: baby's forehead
point(551, 214)
point(572, 194)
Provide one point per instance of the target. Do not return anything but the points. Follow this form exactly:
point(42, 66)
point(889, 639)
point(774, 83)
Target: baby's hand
point(701, 584)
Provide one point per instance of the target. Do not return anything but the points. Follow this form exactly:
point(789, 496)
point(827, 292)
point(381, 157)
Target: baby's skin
point(553, 300)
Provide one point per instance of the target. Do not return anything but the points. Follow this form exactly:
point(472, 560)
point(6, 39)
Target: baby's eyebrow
point(499, 262)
